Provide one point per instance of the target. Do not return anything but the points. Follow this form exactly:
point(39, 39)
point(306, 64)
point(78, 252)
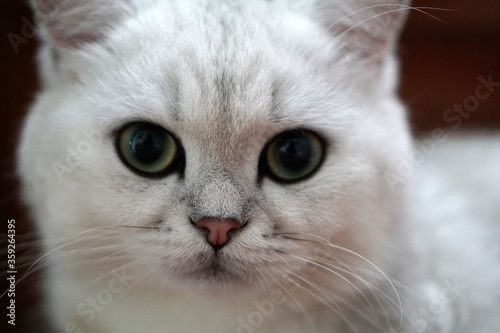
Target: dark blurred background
point(442, 58)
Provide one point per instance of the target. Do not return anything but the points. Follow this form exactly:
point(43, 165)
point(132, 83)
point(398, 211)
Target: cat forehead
point(216, 72)
point(221, 76)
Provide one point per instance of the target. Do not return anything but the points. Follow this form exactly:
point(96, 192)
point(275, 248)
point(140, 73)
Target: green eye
point(293, 156)
point(147, 149)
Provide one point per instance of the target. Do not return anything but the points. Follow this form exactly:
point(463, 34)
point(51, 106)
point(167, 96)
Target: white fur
point(226, 77)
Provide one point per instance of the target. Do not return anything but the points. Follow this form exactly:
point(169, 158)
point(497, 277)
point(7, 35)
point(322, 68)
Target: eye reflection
point(293, 155)
point(148, 149)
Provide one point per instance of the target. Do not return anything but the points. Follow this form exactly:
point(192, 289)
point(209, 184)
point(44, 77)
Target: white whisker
point(337, 274)
point(295, 299)
point(357, 255)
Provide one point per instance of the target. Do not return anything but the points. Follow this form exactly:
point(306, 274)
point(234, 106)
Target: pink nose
point(218, 230)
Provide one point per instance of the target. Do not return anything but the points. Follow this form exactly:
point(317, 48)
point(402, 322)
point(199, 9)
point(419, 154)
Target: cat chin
point(216, 275)
point(207, 273)
point(213, 282)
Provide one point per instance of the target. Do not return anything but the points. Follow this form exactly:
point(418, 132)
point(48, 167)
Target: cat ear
point(67, 24)
point(367, 29)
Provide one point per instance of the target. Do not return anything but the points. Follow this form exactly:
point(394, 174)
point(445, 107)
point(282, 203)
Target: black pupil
point(294, 153)
point(147, 145)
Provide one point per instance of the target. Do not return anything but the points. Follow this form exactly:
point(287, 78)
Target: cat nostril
point(218, 230)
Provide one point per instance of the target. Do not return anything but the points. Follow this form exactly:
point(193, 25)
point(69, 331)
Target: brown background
point(440, 65)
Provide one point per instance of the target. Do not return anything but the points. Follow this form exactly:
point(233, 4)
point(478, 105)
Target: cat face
point(179, 118)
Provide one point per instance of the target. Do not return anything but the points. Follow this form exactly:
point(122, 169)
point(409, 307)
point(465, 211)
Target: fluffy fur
point(342, 251)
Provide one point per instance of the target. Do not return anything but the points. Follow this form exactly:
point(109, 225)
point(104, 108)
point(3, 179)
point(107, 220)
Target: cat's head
point(216, 142)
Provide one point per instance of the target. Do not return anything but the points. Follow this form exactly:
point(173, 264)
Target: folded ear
point(72, 23)
point(366, 28)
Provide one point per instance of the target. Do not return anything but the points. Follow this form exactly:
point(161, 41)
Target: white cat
point(236, 166)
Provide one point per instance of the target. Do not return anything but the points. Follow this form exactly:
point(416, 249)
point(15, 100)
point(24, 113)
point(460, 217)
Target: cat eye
point(293, 156)
point(148, 149)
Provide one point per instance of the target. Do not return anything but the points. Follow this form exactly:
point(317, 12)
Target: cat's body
point(345, 246)
point(453, 228)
